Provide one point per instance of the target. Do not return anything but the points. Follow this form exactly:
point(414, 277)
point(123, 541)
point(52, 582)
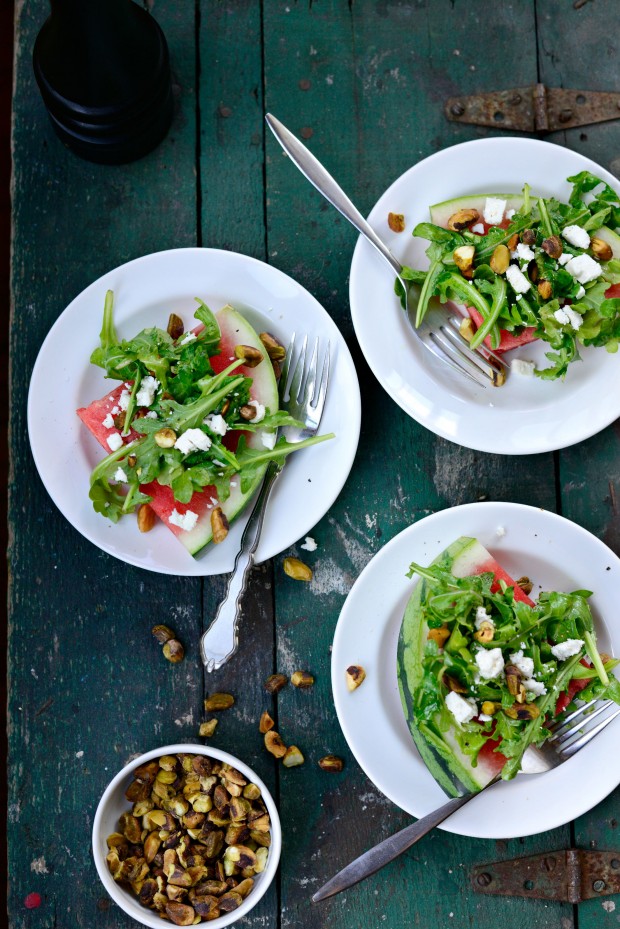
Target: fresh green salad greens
point(525, 267)
point(179, 412)
point(494, 667)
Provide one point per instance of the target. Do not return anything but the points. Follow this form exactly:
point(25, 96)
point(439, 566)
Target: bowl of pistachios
point(186, 834)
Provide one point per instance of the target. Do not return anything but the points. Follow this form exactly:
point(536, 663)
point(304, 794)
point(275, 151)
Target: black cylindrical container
point(103, 71)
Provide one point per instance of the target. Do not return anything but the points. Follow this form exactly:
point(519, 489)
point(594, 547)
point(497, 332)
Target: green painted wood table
point(363, 82)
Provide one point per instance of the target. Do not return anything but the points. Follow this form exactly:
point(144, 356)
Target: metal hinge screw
point(599, 886)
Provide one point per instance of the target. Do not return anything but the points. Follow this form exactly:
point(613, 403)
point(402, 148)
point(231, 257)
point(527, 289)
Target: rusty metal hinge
point(534, 109)
point(570, 875)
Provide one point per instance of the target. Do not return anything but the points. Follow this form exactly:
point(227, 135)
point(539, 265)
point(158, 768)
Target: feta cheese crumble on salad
point(548, 270)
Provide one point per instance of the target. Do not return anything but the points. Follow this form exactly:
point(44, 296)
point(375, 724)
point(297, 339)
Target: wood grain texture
point(589, 473)
point(88, 685)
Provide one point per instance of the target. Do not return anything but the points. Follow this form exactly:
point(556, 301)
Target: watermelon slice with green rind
point(439, 749)
point(235, 330)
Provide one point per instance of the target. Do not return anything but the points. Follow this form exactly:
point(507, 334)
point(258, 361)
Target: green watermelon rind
point(265, 390)
point(451, 769)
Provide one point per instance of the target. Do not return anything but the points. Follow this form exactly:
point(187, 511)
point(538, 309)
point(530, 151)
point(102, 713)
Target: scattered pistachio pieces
point(355, 676)
point(173, 651)
point(191, 849)
point(275, 349)
point(175, 328)
point(251, 356)
point(219, 701)
point(275, 683)
point(525, 584)
point(331, 763)
point(163, 634)
point(293, 757)
point(165, 438)
point(396, 222)
point(219, 525)
point(207, 729)
point(297, 569)
point(302, 679)
point(266, 723)
point(146, 518)
point(274, 744)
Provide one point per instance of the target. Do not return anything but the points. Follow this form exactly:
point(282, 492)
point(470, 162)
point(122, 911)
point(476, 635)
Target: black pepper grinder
point(103, 70)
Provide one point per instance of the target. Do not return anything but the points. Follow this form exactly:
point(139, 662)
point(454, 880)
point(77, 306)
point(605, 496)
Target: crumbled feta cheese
point(580, 293)
point(463, 710)
point(510, 213)
point(482, 617)
point(500, 532)
point(522, 367)
point(523, 663)
point(309, 545)
point(576, 236)
point(574, 317)
point(120, 475)
point(108, 422)
point(115, 410)
point(524, 252)
point(193, 440)
point(490, 663)
point(260, 411)
point(532, 764)
point(151, 415)
point(564, 258)
point(219, 463)
point(561, 316)
point(517, 280)
point(123, 400)
point(484, 717)
point(114, 441)
point(216, 423)
point(269, 440)
point(494, 211)
point(147, 390)
point(478, 229)
point(185, 521)
point(584, 268)
point(534, 687)
point(567, 649)
point(188, 337)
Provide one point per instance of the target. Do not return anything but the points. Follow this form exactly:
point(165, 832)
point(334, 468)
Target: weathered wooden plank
point(365, 89)
point(589, 473)
point(232, 217)
point(88, 684)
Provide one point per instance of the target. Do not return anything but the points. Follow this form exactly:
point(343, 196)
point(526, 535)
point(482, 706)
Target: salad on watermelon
point(482, 668)
point(192, 425)
point(525, 267)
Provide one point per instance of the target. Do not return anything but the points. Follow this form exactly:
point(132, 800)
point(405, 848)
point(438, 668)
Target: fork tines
point(572, 731)
point(304, 385)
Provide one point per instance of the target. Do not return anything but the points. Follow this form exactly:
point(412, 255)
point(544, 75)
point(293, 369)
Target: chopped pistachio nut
point(207, 729)
point(163, 634)
point(297, 569)
point(274, 744)
point(302, 679)
point(266, 723)
point(173, 651)
point(219, 701)
point(331, 763)
point(355, 676)
point(293, 757)
point(183, 859)
point(275, 683)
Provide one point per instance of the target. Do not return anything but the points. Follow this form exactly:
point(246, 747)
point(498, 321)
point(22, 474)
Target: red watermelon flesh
point(235, 330)
point(508, 340)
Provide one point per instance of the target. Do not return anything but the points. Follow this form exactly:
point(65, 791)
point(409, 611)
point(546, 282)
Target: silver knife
point(376, 858)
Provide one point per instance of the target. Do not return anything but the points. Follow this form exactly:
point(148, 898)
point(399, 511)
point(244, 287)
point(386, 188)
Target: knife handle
point(376, 858)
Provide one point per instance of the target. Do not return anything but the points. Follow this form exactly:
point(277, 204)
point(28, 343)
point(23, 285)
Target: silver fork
point(570, 733)
point(302, 394)
point(439, 332)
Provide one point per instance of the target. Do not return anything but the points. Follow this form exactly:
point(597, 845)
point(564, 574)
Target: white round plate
point(145, 292)
point(557, 555)
point(527, 415)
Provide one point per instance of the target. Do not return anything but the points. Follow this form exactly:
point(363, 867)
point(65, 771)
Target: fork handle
point(376, 858)
point(314, 171)
point(219, 643)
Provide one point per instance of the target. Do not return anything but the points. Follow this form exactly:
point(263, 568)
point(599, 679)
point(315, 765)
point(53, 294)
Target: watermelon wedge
point(439, 748)
point(441, 213)
point(235, 330)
